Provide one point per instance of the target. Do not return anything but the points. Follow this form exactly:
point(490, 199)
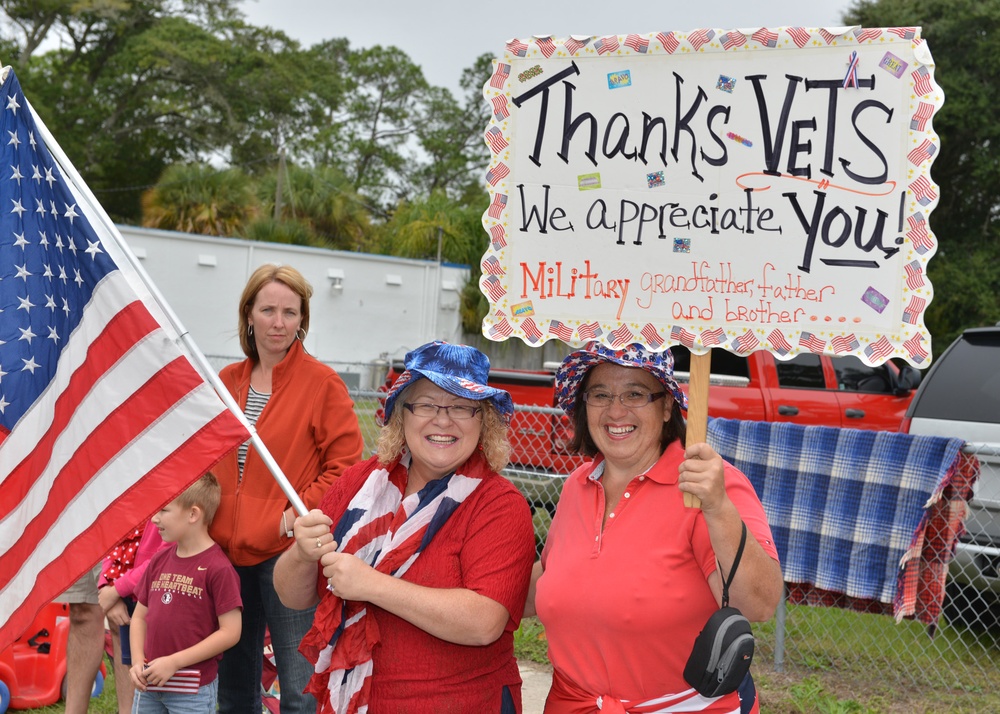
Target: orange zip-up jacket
point(310, 428)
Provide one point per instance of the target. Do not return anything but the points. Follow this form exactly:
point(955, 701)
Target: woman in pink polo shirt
point(629, 575)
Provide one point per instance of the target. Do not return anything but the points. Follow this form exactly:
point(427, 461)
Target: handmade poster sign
point(737, 189)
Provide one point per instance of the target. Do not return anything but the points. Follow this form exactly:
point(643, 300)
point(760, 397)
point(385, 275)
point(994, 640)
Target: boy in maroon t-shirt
point(188, 611)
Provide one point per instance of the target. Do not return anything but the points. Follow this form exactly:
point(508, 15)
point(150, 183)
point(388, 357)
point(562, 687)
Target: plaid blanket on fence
point(861, 519)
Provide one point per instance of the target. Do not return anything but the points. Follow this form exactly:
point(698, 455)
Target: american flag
point(845, 343)
point(915, 348)
point(530, 330)
point(606, 44)
point(923, 191)
point(679, 334)
point(497, 173)
point(622, 336)
point(651, 335)
point(710, 338)
point(879, 351)
point(905, 33)
point(492, 266)
point(500, 75)
point(497, 206)
point(828, 37)
point(918, 234)
point(733, 38)
point(546, 46)
point(496, 140)
point(573, 45)
point(637, 43)
point(103, 418)
point(811, 342)
point(517, 48)
point(669, 41)
point(746, 342)
point(494, 288)
point(921, 81)
point(561, 330)
point(700, 37)
point(502, 327)
point(920, 117)
point(914, 275)
point(800, 36)
point(500, 111)
point(923, 152)
point(497, 236)
point(766, 37)
point(779, 343)
point(184, 681)
point(911, 313)
point(864, 34)
point(590, 331)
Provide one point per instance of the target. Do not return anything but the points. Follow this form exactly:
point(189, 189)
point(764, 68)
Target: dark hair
point(583, 442)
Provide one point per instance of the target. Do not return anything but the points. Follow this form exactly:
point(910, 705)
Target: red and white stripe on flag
point(112, 421)
point(184, 681)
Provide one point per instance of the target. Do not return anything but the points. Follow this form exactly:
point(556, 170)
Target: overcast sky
point(445, 36)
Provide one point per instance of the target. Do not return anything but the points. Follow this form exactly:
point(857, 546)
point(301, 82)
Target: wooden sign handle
point(697, 417)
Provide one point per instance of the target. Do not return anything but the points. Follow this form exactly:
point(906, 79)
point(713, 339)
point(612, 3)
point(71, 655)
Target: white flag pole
point(200, 361)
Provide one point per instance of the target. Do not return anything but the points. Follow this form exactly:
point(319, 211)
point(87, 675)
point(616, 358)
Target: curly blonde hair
point(492, 438)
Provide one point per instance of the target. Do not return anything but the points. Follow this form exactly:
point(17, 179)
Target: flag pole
point(697, 421)
point(200, 361)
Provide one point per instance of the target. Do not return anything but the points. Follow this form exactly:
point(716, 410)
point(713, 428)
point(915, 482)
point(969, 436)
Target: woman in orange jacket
point(303, 414)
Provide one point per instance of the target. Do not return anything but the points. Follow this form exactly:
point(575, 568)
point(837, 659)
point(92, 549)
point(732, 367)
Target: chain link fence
point(959, 654)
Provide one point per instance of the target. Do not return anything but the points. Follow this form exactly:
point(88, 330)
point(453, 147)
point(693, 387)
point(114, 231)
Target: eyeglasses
point(634, 399)
point(455, 411)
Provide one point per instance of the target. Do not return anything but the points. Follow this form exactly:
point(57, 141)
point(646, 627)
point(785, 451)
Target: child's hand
point(137, 673)
point(118, 614)
point(107, 597)
point(160, 670)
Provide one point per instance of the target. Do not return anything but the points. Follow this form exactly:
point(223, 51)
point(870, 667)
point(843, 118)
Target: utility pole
point(440, 239)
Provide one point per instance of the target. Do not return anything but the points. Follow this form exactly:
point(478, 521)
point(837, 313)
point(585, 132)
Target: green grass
point(530, 642)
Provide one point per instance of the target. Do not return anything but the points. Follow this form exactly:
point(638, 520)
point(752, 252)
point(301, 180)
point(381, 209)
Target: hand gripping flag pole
point(201, 363)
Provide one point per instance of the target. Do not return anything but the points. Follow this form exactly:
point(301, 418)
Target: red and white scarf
point(388, 532)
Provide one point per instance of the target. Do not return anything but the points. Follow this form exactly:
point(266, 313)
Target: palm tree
point(422, 228)
point(322, 199)
point(197, 198)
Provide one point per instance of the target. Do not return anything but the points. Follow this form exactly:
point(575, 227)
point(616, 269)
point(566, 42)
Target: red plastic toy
point(33, 669)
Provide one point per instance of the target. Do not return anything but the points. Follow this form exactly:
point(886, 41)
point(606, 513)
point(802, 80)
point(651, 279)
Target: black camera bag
point(723, 650)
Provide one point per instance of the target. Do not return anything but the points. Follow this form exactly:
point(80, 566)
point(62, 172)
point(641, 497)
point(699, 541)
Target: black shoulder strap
point(726, 582)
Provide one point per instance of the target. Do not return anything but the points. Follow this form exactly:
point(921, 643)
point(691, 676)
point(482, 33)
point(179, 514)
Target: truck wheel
point(4, 697)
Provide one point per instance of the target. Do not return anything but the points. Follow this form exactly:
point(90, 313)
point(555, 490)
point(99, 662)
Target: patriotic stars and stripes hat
point(458, 369)
point(574, 368)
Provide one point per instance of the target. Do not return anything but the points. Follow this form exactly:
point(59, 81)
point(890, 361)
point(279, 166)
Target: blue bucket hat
point(458, 369)
point(574, 368)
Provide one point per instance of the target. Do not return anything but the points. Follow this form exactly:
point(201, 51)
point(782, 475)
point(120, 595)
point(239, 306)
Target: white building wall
point(384, 307)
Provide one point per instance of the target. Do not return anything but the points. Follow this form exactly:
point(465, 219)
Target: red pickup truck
point(809, 389)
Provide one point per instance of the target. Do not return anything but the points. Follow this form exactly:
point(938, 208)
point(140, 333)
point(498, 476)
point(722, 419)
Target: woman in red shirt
point(629, 575)
point(419, 558)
